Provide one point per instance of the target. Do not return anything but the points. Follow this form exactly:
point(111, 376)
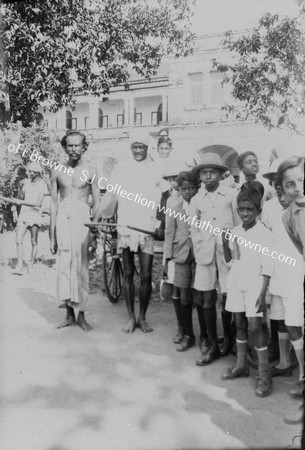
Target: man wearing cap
point(31, 193)
point(137, 208)
point(211, 211)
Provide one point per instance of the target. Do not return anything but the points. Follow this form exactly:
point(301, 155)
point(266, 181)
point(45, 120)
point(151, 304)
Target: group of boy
point(206, 263)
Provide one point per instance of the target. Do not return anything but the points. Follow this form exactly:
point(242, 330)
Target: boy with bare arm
point(68, 235)
point(247, 284)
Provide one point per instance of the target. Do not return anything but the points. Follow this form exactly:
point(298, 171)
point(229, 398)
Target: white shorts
point(289, 309)
point(206, 276)
point(243, 301)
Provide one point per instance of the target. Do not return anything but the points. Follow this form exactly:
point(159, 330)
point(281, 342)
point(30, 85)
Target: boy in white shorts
point(247, 284)
point(286, 285)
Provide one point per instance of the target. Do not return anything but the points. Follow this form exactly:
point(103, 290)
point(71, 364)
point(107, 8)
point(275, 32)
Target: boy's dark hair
point(187, 176)
point(165, 140)
point(289, 163)
point(253, 184)
point(242, 156)
point(251, 192)
point(74, 133)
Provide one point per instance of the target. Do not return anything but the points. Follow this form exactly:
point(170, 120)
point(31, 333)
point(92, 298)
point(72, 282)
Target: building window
point(217, 95)
point(120, 120)
point(103, 121)
point(68, 120)
point(87, 122)
point(74, 124)
point(156, 116)
point(138, 118)
point(196, 89)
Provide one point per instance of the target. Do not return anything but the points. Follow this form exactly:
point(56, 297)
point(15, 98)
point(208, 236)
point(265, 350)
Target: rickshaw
point(112, 267)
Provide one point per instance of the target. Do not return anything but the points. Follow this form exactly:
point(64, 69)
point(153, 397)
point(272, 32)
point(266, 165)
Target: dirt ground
point(66, 389)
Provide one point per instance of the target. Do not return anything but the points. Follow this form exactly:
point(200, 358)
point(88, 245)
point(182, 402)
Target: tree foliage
point(57, 48)
point(268, 72)
point(14, 160)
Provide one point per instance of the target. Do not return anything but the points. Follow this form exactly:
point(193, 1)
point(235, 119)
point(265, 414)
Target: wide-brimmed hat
point(35, 167)
point(209, 160)
point(270, 175)
point(173, 170)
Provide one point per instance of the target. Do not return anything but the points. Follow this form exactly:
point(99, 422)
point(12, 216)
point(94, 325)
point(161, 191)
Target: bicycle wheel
point(112, 271)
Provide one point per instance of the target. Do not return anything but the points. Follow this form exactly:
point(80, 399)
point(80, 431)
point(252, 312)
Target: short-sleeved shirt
point(287, 278)
point(138, 207)
point(252, 264)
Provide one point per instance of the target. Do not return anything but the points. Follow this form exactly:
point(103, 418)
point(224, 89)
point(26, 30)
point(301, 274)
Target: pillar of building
point(131, 111)
point(93, 112)
point(61, 118)
point(164, 108)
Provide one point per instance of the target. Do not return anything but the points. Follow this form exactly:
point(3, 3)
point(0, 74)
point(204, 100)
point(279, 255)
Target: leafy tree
point(57, 48)
point(269, 74)
point(14, 159)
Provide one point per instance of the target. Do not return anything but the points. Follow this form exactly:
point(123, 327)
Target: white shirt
point(138, 208)
point(247, 271)
point(287, 279)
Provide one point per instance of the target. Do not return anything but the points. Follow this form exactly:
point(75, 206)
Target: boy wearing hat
point(211, 210)
point(31, 194)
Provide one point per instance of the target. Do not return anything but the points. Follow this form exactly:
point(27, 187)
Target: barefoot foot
point(68, 322)
point(143, 325)
point(83, 324)
point(130, 326)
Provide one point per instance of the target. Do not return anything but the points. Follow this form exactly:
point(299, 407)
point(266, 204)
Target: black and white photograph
point(152, 224)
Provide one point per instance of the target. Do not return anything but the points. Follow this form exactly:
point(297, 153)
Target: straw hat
point(272, 170)
point(173, 170)
point(209, 160)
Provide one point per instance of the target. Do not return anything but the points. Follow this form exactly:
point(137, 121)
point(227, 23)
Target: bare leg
point(82, 323)
point(69, 320)
point(146, 261)
point(128, 287)
point(34, 237)
point(20, 232)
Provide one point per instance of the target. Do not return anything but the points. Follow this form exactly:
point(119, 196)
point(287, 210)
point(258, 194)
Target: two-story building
point(184, 100)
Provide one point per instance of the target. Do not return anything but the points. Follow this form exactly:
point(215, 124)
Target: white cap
point(35, 167)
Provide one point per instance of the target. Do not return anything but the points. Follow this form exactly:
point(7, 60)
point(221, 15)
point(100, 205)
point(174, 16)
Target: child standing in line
point(247, 284)
point(178, 247)
point(213, 208)
point(290, 177)
point(286, 285)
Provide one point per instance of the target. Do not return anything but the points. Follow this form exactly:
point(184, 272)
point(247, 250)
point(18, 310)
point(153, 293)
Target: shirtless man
point(31, 193)
point(68, 235)
point(136, 177)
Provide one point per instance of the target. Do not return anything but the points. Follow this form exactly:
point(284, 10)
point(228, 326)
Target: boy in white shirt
point(247, 284)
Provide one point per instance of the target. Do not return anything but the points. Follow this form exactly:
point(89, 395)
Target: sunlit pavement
point(66, 389)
